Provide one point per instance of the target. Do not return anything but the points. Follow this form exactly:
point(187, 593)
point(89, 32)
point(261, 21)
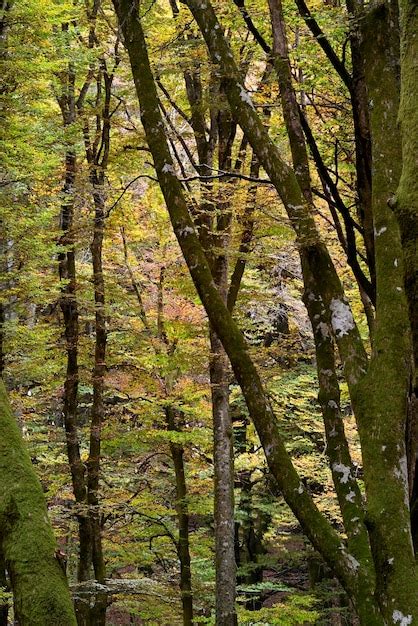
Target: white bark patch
point(268, 450)
point(168, 169)
point(324, 330)
point(344, 470)
point(402, 474)
point(350, 496)
point(380, 231)
point(187, 230)
point(341, 317)
point(395, 263)
point(401, 619)
point(353, 563)
point(245, 96)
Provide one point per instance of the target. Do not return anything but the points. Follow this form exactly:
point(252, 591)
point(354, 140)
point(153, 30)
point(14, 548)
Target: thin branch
point(222, 174)
point(172, 102)
point(323, 41)
point(252, 27)
point(110, 209)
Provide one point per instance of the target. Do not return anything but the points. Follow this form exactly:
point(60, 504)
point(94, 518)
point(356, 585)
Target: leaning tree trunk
point(40, 590)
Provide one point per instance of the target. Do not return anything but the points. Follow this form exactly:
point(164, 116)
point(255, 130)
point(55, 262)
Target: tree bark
point(223, 485)
point(69, 308)
point(98, 612)
point(40, 589)
point(213, 233)
point(406, 211)
point(183, 544)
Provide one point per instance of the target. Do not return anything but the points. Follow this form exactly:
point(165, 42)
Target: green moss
point(40, 589)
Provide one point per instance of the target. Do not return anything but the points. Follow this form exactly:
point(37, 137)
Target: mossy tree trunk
point(406, 211)
point(40, 590)
point(337, 448)
point(382, 585)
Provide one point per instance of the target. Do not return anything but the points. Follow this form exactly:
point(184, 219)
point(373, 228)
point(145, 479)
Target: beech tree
point(39, 585)
point(375, 560)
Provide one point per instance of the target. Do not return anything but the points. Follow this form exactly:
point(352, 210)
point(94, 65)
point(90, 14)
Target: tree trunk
point(98, 611)
point(223, 449)
point(40, 590)
point(406, 210)
point(69, 308)
point(223, 486)
point(213, 235)
point(183, 545)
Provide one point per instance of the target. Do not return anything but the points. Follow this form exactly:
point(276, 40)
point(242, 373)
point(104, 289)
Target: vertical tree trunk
point(223, 485)
point(223, 448)
point(183, 545)
point(98, 612)
point(69, 308)
point(406, 210)
point(362, 137)
point(174, 419)
point(97, 156)
point(213, 241)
